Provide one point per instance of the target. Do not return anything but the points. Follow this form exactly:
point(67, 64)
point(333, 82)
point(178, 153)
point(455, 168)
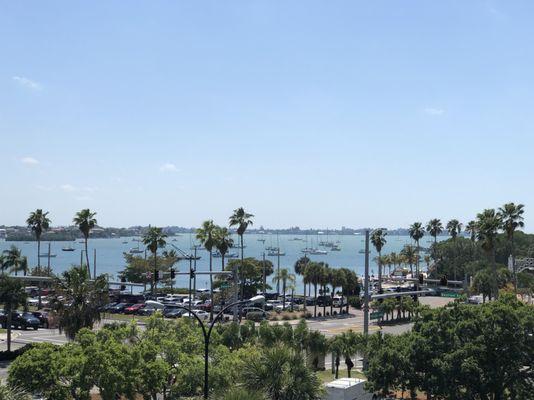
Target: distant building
point(3, 234)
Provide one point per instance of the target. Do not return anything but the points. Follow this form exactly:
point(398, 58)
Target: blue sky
point(309, 113)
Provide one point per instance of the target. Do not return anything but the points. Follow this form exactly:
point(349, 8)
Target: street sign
point(224, 285)
point(452, 295)
point(376, 315)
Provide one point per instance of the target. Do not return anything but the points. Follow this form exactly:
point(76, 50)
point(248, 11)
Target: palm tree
point(512, 218)
point(242, 220)
point(223, 242)
point(14, 260)
point(78, 299)
point(13, 393)
point(434, 227)
point(336, 345)
point(378, 239)
point(153, 239)
point(85, 221)
point(206, 236)
point(313, 275)
point(316, 347)
point(488, 224)
point(300, 269)
point(283, 275)
point(454, 227)
point(471, 228)
point(416, 233)
point(410, 256)
point(12, 295)
point(337, 279)
point(292, 380)
point(324, 280)
point(38, 222)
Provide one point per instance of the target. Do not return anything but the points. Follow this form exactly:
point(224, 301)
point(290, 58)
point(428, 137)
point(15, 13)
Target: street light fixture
point(207, 332)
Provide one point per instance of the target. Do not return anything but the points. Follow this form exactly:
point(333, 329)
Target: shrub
point(319, 314)
point(255, 316)
point(355, 301)
point(286, 317)
point(308, 315)
point(334, 313)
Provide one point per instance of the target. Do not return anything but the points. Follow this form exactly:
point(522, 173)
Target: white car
point(203, 315)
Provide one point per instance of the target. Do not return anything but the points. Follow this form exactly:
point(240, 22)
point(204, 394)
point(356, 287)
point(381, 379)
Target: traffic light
point(421, 279)
point(123, 280)
point(443, 281)
point(191, 273)
point(156, 275)
point(173, 274)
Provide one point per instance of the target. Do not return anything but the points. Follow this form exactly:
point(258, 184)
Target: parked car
point(105, 308)
point(200, 313)
point(42, 316)
point(24, 320)
point(134, 308)
point(257, 315)
point(173, 312)
point(118, 308)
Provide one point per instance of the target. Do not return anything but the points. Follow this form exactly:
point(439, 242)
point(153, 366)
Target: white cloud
point(434, 111)
point(67, 188)
point(29, 161)
point(27, 83)
point(168, 167)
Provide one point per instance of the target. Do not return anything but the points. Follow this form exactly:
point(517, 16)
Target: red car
point(133, 309)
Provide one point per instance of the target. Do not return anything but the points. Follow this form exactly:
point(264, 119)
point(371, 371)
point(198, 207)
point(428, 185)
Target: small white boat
point(46, 255)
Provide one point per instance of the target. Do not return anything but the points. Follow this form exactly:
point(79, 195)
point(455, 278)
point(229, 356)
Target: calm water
point(110, 252)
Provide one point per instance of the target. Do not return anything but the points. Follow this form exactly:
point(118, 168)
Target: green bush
point(255, 316)
point(286, 317)
point(355, 302)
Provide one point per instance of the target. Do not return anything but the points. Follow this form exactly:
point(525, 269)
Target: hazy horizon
point(306, 113)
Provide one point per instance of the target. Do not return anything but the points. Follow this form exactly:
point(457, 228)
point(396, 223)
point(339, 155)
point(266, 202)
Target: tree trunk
point(39, 252)
point(8, 328)
point(304, 284)
point(87, 258)
point(292, 297)
point(324, 300)
point(242, 262)
point(332, 302)
point(337, 367)
point(222, 259)
point(315, 302)
point(284, 294)
point(380, 271)
point(211, 286)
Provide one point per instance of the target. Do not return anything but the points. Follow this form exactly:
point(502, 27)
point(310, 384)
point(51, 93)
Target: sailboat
point(67, 248)
point(136, 250)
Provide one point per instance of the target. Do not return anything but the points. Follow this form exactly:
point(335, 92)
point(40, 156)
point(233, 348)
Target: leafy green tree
point(378, 239)
point(38, 222)
point(283, 275)
point(223, 242)
point(251, 272)
point(85, 221)
point(12, 295)
point(154, 239)
point(78, 300)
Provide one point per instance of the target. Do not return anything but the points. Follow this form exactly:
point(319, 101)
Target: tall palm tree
point(154, 239)
point(313, 276)
point(206, 236)
point(242, 220)
point(471, 228)
point(337, 280)
point(434, 227)
point(416, 233)
point(283, 275)
point(410, 256)
point(324, 279)
point(223, 242)
point(512, 218)
point(488, 224)
point(300, 269)
point(85, 221)
point(38, 222)
point(454, 227)
point(12, 295)
point(378, 239)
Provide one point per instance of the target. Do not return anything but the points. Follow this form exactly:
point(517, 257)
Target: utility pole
point(366, 296)
point(264, 280)
point(49, 249)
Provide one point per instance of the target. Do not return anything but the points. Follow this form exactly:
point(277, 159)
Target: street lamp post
point(207, 334)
